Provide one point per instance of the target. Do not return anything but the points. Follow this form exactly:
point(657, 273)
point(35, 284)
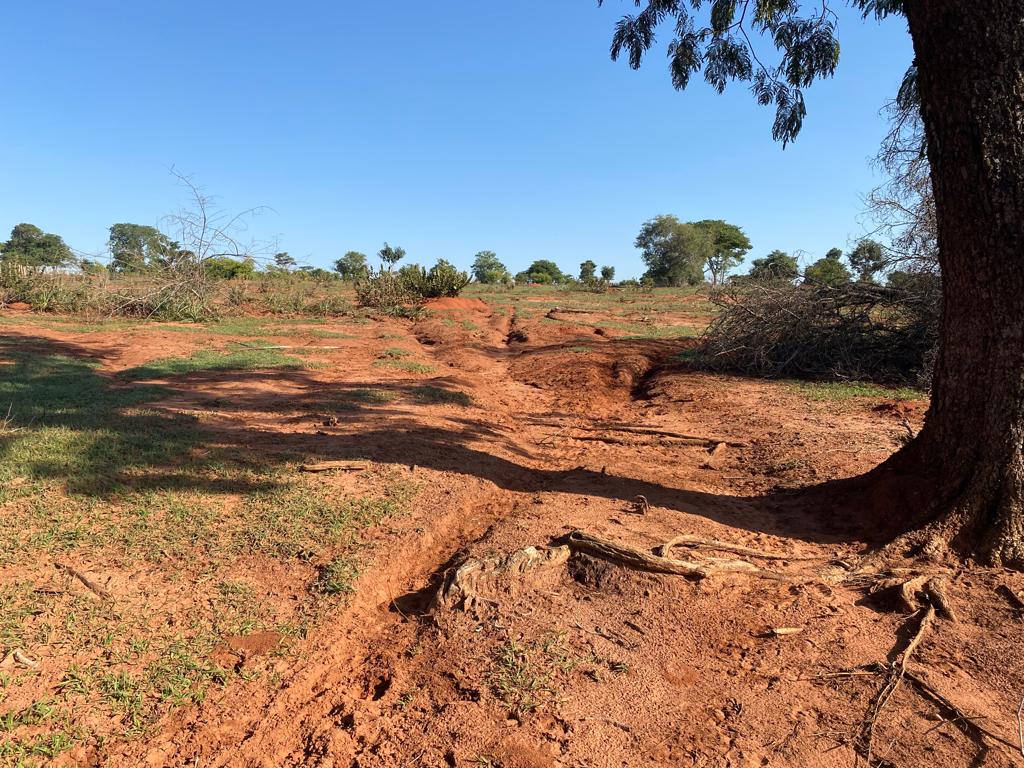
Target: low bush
point(411, 284)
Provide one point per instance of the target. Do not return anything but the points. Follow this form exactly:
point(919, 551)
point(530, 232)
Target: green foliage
point(226, 268)
point(389, 256)
point(139, 248)
point(730, 245)
point(828, 271)
point(588, 271)
point(867, 259)
point(284, 260)
point(411, 284)
point(675, 253)
point(487, 269)
point(543, 272)
point(777, 265)
point(32, 247)
point(723, 46)
point(352, 266)
point(607, 274)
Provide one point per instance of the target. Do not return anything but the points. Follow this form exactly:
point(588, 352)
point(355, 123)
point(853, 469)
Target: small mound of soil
point(457, 303)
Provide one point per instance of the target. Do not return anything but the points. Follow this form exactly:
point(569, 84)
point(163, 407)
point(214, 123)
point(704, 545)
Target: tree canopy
point(675, 253)
point(390, 255)
point(30, 246)
point(719, 42)
point(867, 259)
point(588, 271)
point(488, 269)
point(352, 266)
point(139, 248)
point(542, 271)
point(777, 265)
point(829, 270)
point(730, 245)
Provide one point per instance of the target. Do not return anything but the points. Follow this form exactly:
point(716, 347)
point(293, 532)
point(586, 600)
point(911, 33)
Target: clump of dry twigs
point(854, 331)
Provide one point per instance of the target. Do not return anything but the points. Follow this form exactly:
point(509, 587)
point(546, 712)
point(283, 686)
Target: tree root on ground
point(630, 557)
point(462, 586)
point(723, 546)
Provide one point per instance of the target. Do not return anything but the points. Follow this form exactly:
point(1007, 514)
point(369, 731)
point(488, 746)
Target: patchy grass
point(433, 395)
point(68, 423)
point(408, 366)
point(195, 547)
point(240, 359)
point(849, 390)
point(395, 353)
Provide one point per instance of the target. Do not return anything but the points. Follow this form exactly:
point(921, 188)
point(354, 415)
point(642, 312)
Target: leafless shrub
point(852, 331)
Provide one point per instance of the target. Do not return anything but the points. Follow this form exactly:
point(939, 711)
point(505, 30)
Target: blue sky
point(447, 127)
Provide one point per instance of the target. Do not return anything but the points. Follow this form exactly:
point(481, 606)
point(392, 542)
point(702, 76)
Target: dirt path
point(590, 664)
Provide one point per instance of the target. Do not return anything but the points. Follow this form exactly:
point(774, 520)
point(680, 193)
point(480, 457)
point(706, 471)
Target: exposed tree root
point(462, 587)
point(724, 546)
point(896, 673)
point(630, 557)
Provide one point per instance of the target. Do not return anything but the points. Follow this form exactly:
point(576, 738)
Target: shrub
point(411, 284)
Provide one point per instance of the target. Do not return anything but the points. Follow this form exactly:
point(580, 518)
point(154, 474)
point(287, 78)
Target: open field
point(180, 592)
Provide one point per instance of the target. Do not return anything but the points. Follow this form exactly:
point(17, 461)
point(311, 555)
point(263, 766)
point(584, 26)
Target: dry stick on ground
point(336, 466)
point(89, 584)
point(723, 546)
point(897, 672)
point(578, 541)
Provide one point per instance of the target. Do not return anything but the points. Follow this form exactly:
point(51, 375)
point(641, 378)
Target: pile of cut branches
point(857, 331)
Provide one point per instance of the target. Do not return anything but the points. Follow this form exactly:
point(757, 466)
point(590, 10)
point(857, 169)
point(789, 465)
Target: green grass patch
point(408, 366)
point(433, 395)
point(848, 390)
point(69, 423)
point(244, 359)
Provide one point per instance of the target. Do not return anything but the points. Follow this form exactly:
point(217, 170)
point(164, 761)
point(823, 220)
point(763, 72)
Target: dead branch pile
point(854, 331)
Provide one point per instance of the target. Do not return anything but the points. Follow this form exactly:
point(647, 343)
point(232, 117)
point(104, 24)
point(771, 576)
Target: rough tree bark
point(967, 465)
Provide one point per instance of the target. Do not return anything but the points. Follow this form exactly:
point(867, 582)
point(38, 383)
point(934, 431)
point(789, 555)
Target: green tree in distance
point(390, 256)
point(829, 270)
point(284, 261)
point(731, 244)
point(607, 274)
point(139, 248)
point(867, 259)
point(959, 482)
point(777, 265)
point(542, 271)
point(675, 253)
point(32, 247)
point(588, 271)
point(487, 268)
point(352, 266)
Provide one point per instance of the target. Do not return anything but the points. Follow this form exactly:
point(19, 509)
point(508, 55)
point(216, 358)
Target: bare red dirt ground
point(585, 663)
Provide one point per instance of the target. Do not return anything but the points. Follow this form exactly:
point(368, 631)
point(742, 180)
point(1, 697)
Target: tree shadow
point(100, 435)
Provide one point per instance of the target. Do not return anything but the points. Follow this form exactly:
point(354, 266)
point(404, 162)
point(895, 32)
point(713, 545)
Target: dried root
point(463, 585)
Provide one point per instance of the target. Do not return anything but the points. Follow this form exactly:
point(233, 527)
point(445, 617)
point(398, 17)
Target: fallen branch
point(724, 546)
point(639, 560)
point(89, 584)
point(336, 466)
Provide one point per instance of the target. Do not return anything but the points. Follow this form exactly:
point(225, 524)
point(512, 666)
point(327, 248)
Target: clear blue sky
point(446, 127)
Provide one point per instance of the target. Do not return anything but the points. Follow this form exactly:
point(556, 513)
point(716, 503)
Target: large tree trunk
point(970, 454)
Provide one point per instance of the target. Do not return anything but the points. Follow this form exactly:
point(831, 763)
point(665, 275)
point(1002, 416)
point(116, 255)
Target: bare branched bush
point(852, 331)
